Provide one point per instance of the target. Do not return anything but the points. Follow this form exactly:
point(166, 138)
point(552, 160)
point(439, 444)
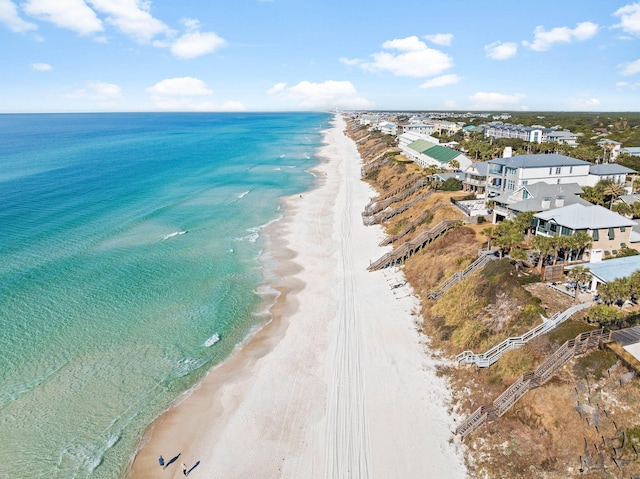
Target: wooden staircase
point(402, 252)
point(532, 379)
point(459, 276)
point(492, 355)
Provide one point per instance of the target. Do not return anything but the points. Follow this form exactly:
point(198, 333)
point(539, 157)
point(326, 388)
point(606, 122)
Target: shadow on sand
point(174, 459)
point(193, 467)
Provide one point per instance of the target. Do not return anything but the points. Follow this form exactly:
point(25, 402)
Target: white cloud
point(443, 80)
point(131, 17)
point(544, 40)
point(630, 68)
point(184, 86)
point(351, 61)
point(631, 86)
point(277, 88)
point(629, 18)
point(415, 59)
point(9, 17)
point(100, 91)
point(444, 39)
point(494, 101)
point(501, 51)
point(70, 14)
point(195, 43)
point(183, 94)
point(41, 67)
point(233, 106)
point(322, 96)
point(585, 104)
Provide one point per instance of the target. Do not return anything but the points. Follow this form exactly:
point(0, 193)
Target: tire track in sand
point(347, 442)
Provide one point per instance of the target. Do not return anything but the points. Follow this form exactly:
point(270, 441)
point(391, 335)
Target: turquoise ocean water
point(127, 241)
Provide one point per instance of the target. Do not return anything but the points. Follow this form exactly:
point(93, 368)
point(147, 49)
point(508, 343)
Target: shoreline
point(338, 383)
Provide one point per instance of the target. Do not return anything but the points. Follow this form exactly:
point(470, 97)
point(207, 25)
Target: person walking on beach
point(161, 461)
point(184, 469)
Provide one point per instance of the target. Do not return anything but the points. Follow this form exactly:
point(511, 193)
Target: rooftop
point(578, 216)
point(538, 161)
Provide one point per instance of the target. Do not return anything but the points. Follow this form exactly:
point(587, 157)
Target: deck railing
point(459, 276)
point(402, 252)
point(530, 380)
point(399, 193)
point(485, 360)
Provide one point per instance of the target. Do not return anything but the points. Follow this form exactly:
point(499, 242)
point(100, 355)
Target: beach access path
point(340, 384)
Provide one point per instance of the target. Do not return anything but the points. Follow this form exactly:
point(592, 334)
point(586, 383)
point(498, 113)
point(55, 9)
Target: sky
point(319, 55)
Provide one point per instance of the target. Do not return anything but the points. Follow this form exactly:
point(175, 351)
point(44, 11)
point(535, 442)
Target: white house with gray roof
point(475, 178)
point(536, 197)
point(508, 174)
point(611, 172)
point(609, 231)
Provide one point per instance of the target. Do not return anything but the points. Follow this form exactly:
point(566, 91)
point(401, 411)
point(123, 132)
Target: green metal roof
point(441, 153)
point(421, 145)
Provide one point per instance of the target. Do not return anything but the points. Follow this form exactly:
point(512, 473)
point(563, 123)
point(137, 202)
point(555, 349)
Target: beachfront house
point(387, 128)
point(610, 231)
point(508, 174)
point(475, 178)
point(426, 153)
point(536, 197)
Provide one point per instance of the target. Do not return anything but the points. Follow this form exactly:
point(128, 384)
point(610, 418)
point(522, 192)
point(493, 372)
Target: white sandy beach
point(339, 384)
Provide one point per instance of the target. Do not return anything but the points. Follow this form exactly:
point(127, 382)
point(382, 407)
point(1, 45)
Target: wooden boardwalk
point(532, 379)
point(492, 355)
point(626, 336)
point(405, 250)
point(460, 275)
point(397, 194)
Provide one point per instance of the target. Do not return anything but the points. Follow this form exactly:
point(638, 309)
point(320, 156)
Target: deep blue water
point(127, 241)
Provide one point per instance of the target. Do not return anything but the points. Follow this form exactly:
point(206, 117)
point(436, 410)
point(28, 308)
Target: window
point(623, 229)
point(570, 169)
point(550, 171)
point(558, 170)
point(611, 234)
point(511, 185)
point(595, 235)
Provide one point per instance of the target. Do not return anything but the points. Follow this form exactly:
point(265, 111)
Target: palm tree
point(580, 275)
point(614, 190)
point(523, 220)
point(582, 241)
point(622, 208)
point(489, 232)
point(519, 256)
point(543, 245)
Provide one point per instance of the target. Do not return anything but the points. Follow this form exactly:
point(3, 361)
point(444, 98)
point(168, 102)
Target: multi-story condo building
point(420, 128)
point(534, 134)
point(507, 174)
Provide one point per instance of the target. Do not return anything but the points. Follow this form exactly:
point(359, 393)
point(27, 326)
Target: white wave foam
point(212, 340)
point(254, 232)
point(186, 365)
point(171, 235)
point(242, 195)
point(90, 456)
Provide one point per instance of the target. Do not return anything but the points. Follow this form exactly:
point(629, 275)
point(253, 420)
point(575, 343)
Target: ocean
point(130, 265)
